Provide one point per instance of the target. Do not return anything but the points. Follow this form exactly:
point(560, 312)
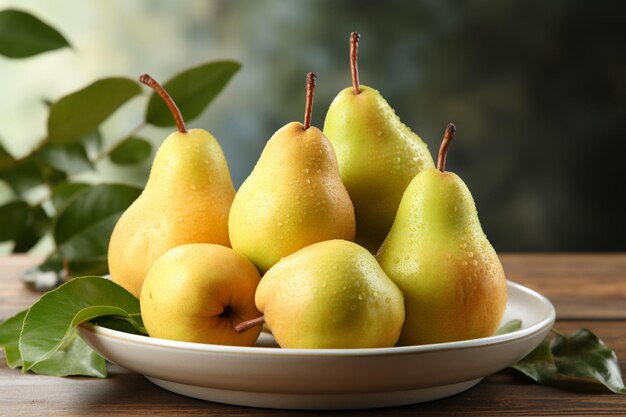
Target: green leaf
point(24, 175)
point(23, 224)
point(583, 355)
point(131, 151)
point(6, 159)
point(192, 90)
point(80, 113)
point(49, 323)
point(116, 323)
point(83, 229)
point(63, 193)
point(578, 360)
point(75, 358)
point(36, 226)
point(9, 338)
point(539, 364)
point(13, 217)
point(71, 158)
point(30, 172)
point(23, 35)
point(510, 326)
point(97, 265)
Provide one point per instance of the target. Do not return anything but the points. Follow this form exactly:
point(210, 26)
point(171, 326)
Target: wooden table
point(587, 291)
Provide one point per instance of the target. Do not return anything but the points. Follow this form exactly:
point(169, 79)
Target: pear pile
point(349, 237)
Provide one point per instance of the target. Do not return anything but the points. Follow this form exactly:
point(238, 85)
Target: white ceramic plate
point(266, 376)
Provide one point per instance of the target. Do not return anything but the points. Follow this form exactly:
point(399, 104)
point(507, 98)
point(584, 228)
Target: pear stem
point(152, 83)
point(354, 68)
point(66, 270)
point(310, 92)
point(443, 149)
point(244, 326)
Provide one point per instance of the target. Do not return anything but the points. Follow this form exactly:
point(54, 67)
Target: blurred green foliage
point(80, 217)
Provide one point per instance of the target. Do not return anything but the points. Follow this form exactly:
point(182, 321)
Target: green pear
point(186, 200)
point(294, 196)
point(437, 253)
point(198, 293)
point(331, 294)
point(378, 155)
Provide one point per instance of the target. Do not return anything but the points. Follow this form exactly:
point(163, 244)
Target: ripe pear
point(332, 294)
point(439, 256)
point(294, 197)
point(198, 293)
point(378, 155)
point(186, 200)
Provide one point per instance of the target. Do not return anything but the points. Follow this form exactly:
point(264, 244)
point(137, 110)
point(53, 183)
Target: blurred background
point(536, 89)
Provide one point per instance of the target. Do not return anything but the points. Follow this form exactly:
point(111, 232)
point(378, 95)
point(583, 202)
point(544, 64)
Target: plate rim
point(350, 352)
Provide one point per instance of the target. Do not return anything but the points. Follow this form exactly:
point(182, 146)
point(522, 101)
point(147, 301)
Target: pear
point(198, 293)
point(378, 155)
point(439, 256)
point(186, 200)
point(331, 294)
point(294, 196)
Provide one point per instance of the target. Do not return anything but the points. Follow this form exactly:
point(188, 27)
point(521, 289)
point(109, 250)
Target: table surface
point(588, 290)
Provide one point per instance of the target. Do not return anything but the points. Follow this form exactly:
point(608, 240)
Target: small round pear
point(331, 294)
point(198, 293)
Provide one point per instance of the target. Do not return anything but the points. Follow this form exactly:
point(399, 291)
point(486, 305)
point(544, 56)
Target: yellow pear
point(198, 293)
point(439, 256)
point(378, 155)
point(186, 200)
point(294, 197)
point(332, 294)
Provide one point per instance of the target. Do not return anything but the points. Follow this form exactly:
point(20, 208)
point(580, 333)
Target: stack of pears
point(435, 277)
point(293, 218)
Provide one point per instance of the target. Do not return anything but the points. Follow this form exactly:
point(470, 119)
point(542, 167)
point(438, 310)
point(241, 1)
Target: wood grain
point(581, 286)
point(587, 290)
